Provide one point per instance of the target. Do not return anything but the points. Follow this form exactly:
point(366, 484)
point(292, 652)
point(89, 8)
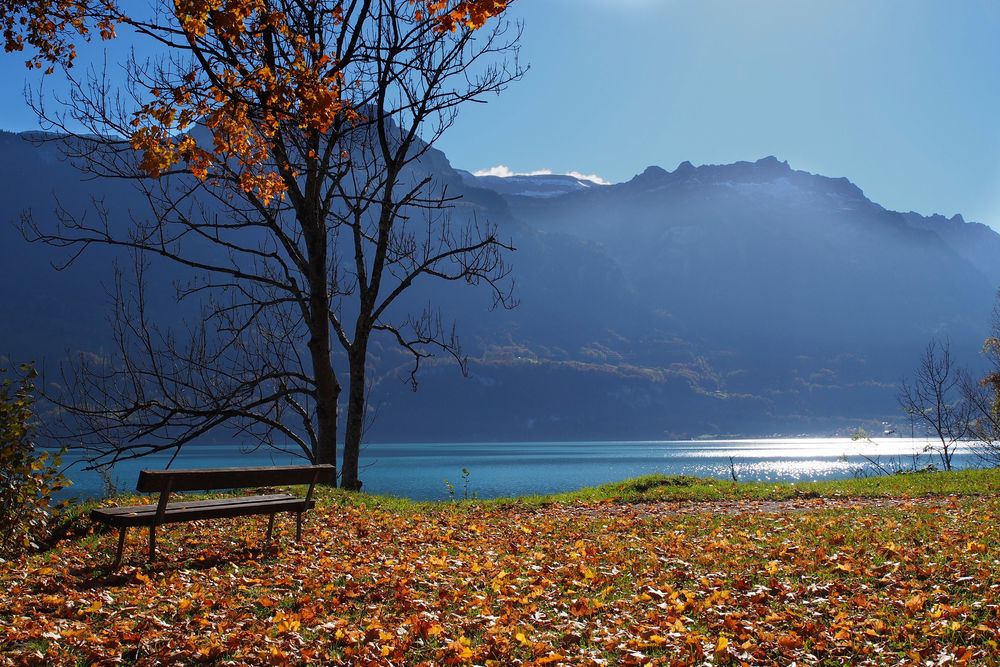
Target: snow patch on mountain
point(503, 171)
point(538, 185)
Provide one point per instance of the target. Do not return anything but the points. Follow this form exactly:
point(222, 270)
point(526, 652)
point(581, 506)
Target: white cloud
point(503, 171)
point(588, 177)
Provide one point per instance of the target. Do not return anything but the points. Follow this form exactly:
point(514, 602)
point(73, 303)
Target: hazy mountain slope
point(747, 298)
point(760, 251)
point(47, 312)
point(58, 313)
point(793, 288)
point(976, 243)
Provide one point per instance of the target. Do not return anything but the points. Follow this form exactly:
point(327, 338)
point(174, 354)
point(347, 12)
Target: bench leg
point(152, 543)
point(121, 549)
point(270, 527)
point(298, 527)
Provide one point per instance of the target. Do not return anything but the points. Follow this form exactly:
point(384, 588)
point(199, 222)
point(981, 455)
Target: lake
point(496, 469)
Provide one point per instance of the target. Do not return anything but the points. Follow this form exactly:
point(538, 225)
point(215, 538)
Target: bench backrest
point(207, 479)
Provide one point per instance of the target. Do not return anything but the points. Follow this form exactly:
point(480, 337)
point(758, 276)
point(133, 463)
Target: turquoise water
point(419, 471)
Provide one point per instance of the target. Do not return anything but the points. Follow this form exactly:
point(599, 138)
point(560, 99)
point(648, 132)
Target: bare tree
point(935, 399)
point(284, 153)
point(985, 425)
point(983, 395)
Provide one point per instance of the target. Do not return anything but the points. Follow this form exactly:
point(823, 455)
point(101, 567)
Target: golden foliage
point(255, 74)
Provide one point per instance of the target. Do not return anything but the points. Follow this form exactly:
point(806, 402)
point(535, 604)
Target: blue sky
point(900, 96)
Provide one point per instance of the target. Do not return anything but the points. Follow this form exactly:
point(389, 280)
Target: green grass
point(662, 487)
point(652, 488)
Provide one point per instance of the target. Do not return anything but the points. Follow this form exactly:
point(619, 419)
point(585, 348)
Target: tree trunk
point(327, 386)
point(327, 397)
point(326, 422)
point(355, 416)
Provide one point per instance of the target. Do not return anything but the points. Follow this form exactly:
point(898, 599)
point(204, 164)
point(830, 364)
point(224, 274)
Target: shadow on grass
point(99, 575)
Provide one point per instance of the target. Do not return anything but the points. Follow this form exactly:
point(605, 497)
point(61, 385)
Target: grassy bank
point(898, 570)
point(659, 488)
point(914, 485)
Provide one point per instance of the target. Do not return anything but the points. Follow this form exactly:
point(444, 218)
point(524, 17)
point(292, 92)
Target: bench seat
point(145, 515)
point(166, 482)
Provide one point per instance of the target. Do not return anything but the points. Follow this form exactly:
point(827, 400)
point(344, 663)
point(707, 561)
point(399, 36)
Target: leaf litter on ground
point(861, 581)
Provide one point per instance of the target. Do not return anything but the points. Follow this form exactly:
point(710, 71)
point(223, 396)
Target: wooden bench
point(211, 479)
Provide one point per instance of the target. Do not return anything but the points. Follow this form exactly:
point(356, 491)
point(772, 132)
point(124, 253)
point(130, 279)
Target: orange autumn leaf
point(915, 603)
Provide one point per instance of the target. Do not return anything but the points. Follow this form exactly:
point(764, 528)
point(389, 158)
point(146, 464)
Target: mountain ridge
point(973, 234)
point(748, 298)
point(762, 167)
